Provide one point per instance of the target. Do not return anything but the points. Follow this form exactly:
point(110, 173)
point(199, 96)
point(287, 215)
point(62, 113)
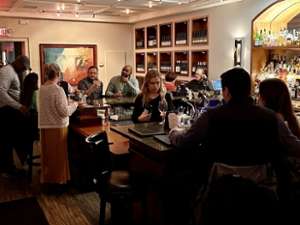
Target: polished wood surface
point(120, 144)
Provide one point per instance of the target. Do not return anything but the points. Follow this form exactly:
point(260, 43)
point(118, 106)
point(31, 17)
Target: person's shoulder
point(6, 70)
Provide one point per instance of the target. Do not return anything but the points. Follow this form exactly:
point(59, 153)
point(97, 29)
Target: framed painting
point(73, 60)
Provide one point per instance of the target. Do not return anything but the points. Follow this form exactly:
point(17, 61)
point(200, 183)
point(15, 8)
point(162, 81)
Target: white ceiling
point(102, 10)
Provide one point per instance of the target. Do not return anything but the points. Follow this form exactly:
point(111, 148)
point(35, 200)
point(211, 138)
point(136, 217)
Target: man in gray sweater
point(12, 132)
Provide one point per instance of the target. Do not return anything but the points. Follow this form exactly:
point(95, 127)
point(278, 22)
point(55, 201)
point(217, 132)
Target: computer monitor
point(217, 85)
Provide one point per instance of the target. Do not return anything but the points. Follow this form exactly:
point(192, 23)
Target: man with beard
point(124, 85)
point(91, 85)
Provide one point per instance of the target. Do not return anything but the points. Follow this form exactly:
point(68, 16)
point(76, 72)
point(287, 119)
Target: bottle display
point(283, 67)
point(283, 38)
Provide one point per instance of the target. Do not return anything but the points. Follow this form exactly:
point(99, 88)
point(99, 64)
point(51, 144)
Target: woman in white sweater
point(54, 112)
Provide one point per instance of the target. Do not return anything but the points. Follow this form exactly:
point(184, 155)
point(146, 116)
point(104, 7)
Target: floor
point(70, 208)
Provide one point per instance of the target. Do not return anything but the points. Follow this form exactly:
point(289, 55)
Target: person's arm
point(63, 108)
point(5, 98)
point(192, 136)
point(289, 140)
point(110, 90)
point(139, 115)
point(133, 83)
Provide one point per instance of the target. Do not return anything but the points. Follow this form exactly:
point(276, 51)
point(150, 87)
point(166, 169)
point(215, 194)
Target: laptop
point(163, 139)
point(145, 131)
point(217, 85)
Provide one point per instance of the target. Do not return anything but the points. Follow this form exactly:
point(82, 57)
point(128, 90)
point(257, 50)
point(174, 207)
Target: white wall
point(108, 37)
point(225, 24)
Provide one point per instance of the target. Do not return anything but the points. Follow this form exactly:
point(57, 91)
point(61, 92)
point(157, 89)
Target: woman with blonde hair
point(54, 112)
point(146, 106)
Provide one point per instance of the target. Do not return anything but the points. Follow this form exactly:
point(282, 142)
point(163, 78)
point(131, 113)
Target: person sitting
point(200, 82)
point(91, 85)
point(237, 133)
point(124, 85)
point(146, 105)
point(274, 94)
point(170, 79)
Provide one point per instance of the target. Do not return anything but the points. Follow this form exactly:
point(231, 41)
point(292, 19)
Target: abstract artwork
point(73, 60)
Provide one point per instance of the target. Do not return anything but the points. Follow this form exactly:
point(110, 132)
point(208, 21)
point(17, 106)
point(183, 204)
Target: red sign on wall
point(4, 32)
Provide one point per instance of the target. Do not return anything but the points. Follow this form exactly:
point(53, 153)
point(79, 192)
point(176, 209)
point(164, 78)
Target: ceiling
point(121, 11)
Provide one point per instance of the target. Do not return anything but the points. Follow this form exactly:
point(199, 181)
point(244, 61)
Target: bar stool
point(112, 186)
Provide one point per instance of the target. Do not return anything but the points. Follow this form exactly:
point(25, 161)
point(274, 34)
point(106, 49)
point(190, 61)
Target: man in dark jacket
point(238, 133)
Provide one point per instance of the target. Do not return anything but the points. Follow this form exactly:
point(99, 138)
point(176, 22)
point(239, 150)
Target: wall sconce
point(238, 44)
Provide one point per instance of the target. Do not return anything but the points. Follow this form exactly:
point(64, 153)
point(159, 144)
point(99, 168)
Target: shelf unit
point(152, 37)
point(152, 60)
point(199, 31)
point(275, 47)
point(165, 35)
point(199, 60)
point(165, 62)
point(140, 62)
point(170, 44)
point(181, 33)
point(181, 64)
point(140, 38)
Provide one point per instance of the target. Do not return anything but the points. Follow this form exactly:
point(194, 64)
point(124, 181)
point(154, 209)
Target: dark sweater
point(151, 106)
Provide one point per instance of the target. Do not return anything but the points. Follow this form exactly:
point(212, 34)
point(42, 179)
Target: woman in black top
point(146, 106)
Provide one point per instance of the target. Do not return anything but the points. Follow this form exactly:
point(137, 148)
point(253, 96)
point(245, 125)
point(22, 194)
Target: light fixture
point(127, 11)
point(150, 4)
point(238, 44)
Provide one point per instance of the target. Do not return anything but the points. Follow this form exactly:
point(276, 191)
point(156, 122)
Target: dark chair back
point(100, 162)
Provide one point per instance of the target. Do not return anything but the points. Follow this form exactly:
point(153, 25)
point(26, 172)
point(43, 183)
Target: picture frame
point(73, 60)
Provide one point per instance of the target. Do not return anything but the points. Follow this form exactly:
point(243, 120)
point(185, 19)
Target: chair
point(111, 185)
point(235, 192)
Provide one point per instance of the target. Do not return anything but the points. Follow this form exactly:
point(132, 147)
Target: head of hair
point(92, 67)
point(128, 67)
point(275, 95)
point(52, 71)
point(21, 64)
point(238, 83)
point(145, 91)
point(30, 85)
point(170, 76)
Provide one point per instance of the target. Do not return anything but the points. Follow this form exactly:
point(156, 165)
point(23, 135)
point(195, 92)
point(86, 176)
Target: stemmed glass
point(163, 108)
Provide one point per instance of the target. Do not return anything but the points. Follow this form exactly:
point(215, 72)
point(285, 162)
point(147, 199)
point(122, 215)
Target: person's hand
point(176, 130)
point(97, 83)
point(145, 116)
point(125, 78)
point(118, 94)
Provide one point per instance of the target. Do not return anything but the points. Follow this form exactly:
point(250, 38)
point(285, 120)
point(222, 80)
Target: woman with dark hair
point(28, 94)
point(28, 99)
point(274, 94)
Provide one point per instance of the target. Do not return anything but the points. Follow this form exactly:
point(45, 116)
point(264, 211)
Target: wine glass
point(163, 108)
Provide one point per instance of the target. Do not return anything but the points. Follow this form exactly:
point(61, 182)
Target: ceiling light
point(78, 1)
point(127, 11)
point(63, 6)
point(150, 4)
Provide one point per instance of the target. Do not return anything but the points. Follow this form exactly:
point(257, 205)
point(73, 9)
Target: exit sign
point(4, 32)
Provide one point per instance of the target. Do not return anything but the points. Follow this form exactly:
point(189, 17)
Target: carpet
point(22, 212)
